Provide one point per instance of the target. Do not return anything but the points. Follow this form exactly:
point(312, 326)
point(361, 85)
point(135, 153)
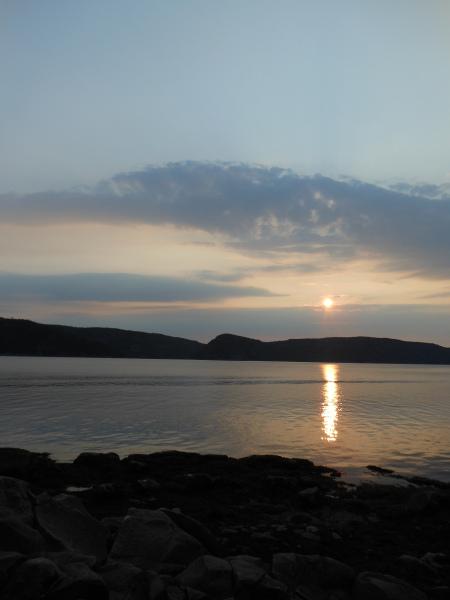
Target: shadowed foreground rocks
point(183, 526)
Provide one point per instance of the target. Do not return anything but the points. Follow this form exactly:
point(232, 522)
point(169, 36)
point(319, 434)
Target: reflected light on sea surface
point(330, 403)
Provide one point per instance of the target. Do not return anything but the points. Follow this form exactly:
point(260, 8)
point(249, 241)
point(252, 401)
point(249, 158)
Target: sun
point(328, 303)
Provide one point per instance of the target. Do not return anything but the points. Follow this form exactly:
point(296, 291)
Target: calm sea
point(345, 415)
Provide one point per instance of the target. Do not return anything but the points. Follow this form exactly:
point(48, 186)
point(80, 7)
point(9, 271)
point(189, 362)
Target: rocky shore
point(183, 526)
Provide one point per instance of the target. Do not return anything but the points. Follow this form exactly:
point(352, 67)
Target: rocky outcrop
point(177, 526)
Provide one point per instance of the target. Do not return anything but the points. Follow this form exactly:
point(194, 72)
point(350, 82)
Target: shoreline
point(269, 508)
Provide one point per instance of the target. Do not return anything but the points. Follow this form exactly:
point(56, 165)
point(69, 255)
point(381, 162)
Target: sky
point(197, 167)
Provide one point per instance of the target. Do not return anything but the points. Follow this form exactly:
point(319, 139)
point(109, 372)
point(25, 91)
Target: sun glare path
point(330, 402)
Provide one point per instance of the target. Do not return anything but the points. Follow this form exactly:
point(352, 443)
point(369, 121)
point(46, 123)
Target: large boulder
point(23, 464)
point(209, 574)
point(303, 569)
point(65, 519)
point(8, 562)
point(149, 538)
point(15, 498)
point(378, 586)
point(31, 580)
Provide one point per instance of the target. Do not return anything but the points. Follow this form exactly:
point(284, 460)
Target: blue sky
point(201, 158)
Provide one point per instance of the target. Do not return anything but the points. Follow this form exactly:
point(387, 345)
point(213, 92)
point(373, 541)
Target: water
point(345, 415)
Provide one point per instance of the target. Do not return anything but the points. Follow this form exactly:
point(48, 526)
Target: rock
point(65, 519)
point(79, 582)
point(15, 498)
point(424, 499)
point(66, 557)
point(31, 580)
point(156, 586)
point(197, 482)
point(269, 588)
point(8, 562)
point(303, 569)
point(149, 485)
point(124, 581)
point(378, 586)
point(436, 561)
point(98, 461)
point(247, 571)
point(149, 538)
point(196, 529)
point(209, 574)
point(17, 536)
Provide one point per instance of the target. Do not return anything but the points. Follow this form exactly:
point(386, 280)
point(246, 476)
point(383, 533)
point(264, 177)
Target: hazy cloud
point(115, 287)
point(259, 209)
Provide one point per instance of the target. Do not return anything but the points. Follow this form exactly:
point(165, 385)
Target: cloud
point(115, 287)
point(265, 211)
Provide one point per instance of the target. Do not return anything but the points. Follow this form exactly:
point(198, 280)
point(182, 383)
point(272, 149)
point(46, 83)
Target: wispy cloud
point(265, 210)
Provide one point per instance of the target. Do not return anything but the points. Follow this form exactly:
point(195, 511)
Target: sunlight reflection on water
point(330, 404)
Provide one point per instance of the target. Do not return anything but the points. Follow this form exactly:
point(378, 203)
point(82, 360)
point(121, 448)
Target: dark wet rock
point(415, 569)
point(98, 461)
point(31, 580)
point(269, 588)
point(209, 574)
point(65, 520)
point(17, 536)
point(124, 581)
point(381, 470)
point(149, 538)
point(437, 561)
point(15, 498)
point(195, 529)
point(379, 586)
point(78, 582)
point(440, 592)
point(302, 569)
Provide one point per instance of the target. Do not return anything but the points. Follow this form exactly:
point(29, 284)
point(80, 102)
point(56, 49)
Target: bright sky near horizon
point(195, 166)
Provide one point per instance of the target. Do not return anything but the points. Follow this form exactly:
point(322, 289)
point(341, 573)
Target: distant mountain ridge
point(27, 338)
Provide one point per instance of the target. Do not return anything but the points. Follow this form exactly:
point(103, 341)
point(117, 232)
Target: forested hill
point(27, 338)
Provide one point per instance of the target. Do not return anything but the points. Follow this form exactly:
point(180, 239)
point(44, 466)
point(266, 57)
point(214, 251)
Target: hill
point(27, 338)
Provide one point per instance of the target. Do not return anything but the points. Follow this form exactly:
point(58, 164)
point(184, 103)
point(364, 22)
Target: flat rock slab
point(149, 538)
point(65, 519)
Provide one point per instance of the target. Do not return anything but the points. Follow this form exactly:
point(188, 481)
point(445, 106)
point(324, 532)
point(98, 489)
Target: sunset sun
point(328, 303)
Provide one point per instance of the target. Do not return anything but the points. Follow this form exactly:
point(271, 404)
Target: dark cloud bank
point(265, 209)
point(115, 287)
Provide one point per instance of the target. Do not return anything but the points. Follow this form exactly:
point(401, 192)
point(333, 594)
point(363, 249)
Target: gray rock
point(79, 582)
point(196, 529)
point(149, 538)
point(303, 569)
point(124, 581)
point(19, 463)
point(209, 574)
point(15, 498)
point(66, 557)
point(378, 586)
point(248, 571)
point(8, 562)
point(65, 519)
point(156, 586)
point(17, 536)
point(271, 589)
point(31, 580)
